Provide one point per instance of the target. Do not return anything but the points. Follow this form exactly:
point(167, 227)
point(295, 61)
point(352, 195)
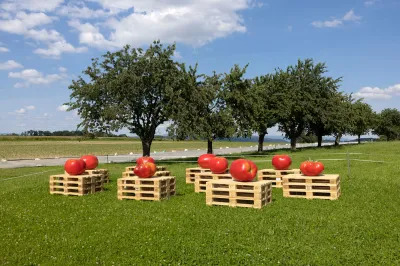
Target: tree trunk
point(146, 145)
point(261, 141)
point(209, 146)
point(319, 140)
point(337, 139)
point(359, 139)
point(293, 142)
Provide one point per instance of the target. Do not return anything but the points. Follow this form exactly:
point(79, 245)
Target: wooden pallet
point(232, 193)
point(202, 179)
point(159, 168)
point(76, 185)
point(104, 172)
point(275, 175)
point(154, 188)
point(158, 173)
point(191, 173)
point(311, 187)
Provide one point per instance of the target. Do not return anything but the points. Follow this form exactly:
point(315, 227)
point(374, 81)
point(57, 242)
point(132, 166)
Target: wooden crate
point(202, 179)
point(158, 173)
point(275, 176)
point(232, 193)
point(312, 187)
point(76, 185)
point(154, 188)
point(191, 173)
point(159, 168)
point(104, 172)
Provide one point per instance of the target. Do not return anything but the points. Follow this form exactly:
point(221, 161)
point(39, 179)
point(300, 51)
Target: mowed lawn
point(361, 228)
point(27, 149)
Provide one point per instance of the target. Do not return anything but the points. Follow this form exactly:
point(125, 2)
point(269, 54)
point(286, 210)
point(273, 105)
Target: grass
point(27, 149)
point(362, 227)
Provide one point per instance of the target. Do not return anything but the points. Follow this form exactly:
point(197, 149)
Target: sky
point(44, 45)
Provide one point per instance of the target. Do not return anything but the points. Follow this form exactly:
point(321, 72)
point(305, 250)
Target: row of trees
point(141, 89)
point(79, 133)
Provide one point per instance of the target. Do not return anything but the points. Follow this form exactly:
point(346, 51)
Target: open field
point(28, 149)
point(361, 228)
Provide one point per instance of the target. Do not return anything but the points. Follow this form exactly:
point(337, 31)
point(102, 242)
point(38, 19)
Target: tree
point(341, 121)
point(206, 114)
point(362, 118)
point(296, 91)
point(388, 124)
point(131, 88)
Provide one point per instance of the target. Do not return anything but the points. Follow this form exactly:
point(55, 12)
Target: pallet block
point(275, 176)
point(76, 185)
point(202, 179)
point(191, 173)
point(312, 187)
point(154, 188)
point(255, 194)
point(159, 168)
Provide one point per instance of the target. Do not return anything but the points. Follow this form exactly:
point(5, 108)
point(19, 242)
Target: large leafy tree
point(362, 119)
point(388, 124)
point(341, 120)
point(131, 88)
point(206, 114)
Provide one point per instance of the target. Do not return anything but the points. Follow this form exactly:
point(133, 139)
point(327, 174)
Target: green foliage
point(130, 88)
point(362, 118)
point(388, 124)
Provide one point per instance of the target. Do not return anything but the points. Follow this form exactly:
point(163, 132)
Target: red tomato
point(281, 162)
point(204, 160)
point(145, 159)
point(218, 165)
point(74, 166)
point(145, 170)
point(309, 168)
point(243, 170)
point(91, 161)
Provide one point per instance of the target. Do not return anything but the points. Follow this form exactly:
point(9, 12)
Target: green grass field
point(361, 228)
point(26, 149)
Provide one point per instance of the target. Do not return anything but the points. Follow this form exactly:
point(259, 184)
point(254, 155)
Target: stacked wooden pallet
point(103, 172)
point(192, 172)
point(159, 168)
point(154, 188)
point(202, 179)
point(76, 185)
point(231, 193)
point(312, 187)
point(276, 176)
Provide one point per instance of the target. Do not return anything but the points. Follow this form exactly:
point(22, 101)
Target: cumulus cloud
point(62, 108)
point(378, 93)
point(10, 64)
point(350, 16)
point(21, 111)
point(369, 3)
point(34, 77)
point(30, 5)
point(4, 49)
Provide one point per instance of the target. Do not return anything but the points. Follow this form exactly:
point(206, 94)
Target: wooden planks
point(154, 188)
point(159, 168)
point(312, 187)
point(191, 173)
point(158, 173)
point(76, 185)
point(276, 176)
point(202, 179)
point(232, 193)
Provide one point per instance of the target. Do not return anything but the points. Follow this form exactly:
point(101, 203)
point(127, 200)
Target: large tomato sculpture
point(243, 170)
point(310, 168)
point(145, 170)
point(91, 161)
point(281, 162)
point(218, 165)
point(145, 159)
point(204, 160)
point(74, 166)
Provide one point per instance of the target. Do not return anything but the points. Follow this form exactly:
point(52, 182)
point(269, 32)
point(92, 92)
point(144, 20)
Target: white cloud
point(370, 2)
point(378, 93)
point(177, 55)
point(55, 49)
point(23, 22)
point(34, 77)
point(62, 69)
point(30, 107)
point(350, 16)
point(10, 64)
point(80, 11)
point(62, 108)
point(194, 22)
point(21, 111)
point(30, 5)
point(4, 49)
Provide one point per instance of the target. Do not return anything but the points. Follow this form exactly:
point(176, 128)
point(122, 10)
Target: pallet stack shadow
point(201, 180)
point(192, 172)
point(76, 185)
point(275, 176)
point(312, 187)
point(161, 186)
point(255, 194)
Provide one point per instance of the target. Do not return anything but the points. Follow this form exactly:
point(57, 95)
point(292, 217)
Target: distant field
point(361, 228)
point(25, 149)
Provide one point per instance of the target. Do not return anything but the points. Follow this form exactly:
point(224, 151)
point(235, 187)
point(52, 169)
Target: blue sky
point(46, 44)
